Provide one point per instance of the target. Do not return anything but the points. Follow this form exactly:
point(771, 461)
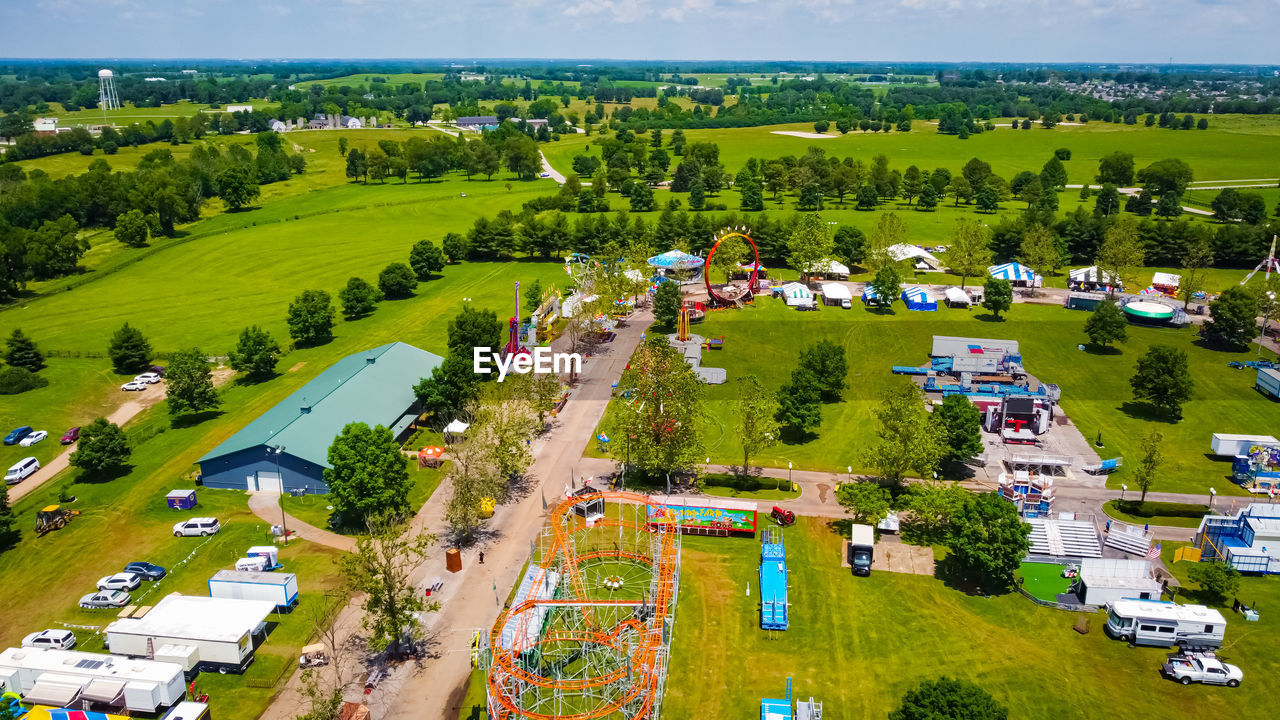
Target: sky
point(1102, 31)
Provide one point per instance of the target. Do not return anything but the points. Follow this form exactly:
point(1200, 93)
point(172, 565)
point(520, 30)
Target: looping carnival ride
point(588, 633)
point(732, 295)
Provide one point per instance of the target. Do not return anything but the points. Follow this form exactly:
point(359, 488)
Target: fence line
point(1073, 607)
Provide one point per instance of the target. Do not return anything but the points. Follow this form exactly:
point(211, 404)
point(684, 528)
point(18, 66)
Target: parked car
point(196, 526)
point(33, 438)
point(71, 435)
point(149, 378)
point(21, 470)
point(105, 599)
point(54, 639)
point(133, 385)
point(15, 436)
point(120, 581)
point(157, 369)
point(146, 570)
point(1187, 668)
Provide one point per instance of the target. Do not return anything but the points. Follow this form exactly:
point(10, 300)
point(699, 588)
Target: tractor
point(782, 517)
point(53, 518)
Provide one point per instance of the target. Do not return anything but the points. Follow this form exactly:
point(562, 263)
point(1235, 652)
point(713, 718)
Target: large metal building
point(373, 387)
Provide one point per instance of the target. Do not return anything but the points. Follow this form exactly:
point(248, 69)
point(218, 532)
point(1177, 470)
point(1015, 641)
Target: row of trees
point(432, 158)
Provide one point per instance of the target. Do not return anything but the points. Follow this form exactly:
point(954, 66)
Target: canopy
point(956, 296)
point(1090, 274)
point(1166, 280)
point(903, 251)
point(55, 690)
point(869, 294)
point(917, 298)
point(104, 690)
point(794, 290)
point(836, 291)
point(1012, 271)
point(829, 267)
point(457, 427)
point(431, 452)
point(676, 260)
point(751, 266)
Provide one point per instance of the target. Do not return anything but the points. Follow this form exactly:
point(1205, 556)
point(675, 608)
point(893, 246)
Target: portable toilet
point(270, 552)
point(256, 563)
point(181, 499)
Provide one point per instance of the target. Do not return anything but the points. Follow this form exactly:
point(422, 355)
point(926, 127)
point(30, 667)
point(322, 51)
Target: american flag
point(1154, 553)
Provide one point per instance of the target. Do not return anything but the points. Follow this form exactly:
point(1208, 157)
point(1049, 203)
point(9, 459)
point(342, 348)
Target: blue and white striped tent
point(869, 296)
point(1016, 273)
point(917, 298)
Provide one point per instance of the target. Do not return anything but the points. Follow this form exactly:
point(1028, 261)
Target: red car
point(71, 435)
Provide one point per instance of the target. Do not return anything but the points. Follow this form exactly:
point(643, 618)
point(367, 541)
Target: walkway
point(266, 505)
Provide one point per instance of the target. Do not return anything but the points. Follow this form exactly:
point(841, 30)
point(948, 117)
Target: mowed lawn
point(1233, 147)
point(765, 339)
point(857, 644)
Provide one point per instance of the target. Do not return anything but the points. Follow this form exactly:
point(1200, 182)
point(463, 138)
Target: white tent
point(1166, 280)
point(836, 293)
point(956, 297)
point(1090, 275)
point(829, 267)
point(920, 258)
point(795, 294)
point(457, 427)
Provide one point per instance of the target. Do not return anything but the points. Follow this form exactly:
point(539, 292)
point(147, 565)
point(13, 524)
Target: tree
point(827, 361)
point(255, 354)
point(821, 126)
point(1144, 475)
point(867, 198)
point(930, 506)
point(849, 245)
point(1162, 377)
point(102, 447)
point(948, 699)
point(456, 247)
point(8, 536)
point(1040, 249)
point(129, 350)
point(237, 187)
point(988, 200)
point(1053, 175)
point(960, 428)
point(912, 183)
point(132, 228)
point(887, 284)
point(1166, 176)
point(666, 305)
point(342, 146)
point(968, 249)
point(1226, 205)
point(381, 569)
point(1107, 202)
point(988, 540)
point(21, 351)
point(311, 318)
point(809, 244)
point(397, 281)
point(1106, 324)
point(1197, 257)
point(661, 436)
point(866, 501)
point(697, 193)
point(189, 383)
point(889, 231)
point(425, 258)
point(1116, 169)
point(1121, 253)
point(1234, 318)
point(641, 197)
point(368, 476)
point(756, 418)
point(800, 402)
point(1217, 580)
point(451, 385)
point(908, 441)
point(358, 298)
point(1169, 206)
point(997, 296)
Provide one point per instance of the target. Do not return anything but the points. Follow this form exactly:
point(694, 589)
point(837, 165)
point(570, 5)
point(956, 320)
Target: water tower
point(107, 98)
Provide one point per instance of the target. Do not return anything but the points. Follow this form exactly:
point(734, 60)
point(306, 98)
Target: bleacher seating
point(1064, 538)
point(1129, 538)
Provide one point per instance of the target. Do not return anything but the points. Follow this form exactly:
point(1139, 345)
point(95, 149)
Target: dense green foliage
point(368, 476)
point(129, 350)
point(102, 446)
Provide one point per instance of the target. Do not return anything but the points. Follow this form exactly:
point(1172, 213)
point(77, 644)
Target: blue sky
point(1189, 31)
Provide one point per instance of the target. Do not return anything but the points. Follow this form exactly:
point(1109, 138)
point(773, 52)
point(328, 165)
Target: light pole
point(850, 469)
point(284, 529)
point(789, 483)
point(1212, 494)
point(1123, 488)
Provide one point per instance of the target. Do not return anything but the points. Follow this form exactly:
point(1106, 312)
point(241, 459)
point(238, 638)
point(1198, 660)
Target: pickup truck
point(1187, 668)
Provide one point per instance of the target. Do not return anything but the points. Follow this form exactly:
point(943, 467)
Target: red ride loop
point(706, 270)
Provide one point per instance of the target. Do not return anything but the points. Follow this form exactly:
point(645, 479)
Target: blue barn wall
point(231, 471)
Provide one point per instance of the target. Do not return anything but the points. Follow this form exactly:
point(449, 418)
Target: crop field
point(763, 340)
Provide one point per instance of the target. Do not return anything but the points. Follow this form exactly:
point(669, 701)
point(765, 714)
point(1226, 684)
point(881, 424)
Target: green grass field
point(129, 114)
point(1044, 580)
point(392, 79)
point(764, 339)
point(314, 509)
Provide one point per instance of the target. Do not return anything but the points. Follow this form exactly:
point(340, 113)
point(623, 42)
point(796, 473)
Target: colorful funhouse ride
point(588, 632)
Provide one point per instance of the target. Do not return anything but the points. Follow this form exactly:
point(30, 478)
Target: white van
point(21, 470)
point(1165, 624)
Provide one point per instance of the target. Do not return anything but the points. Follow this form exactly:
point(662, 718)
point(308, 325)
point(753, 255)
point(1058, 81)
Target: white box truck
point(862, 541)
point(279, 588)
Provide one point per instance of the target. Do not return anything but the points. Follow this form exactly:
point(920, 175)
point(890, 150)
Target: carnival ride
point(732, 295)
point(588, 634)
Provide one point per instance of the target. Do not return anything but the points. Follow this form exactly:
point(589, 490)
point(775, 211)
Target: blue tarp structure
point(773, 582)
point(676, 260)
point(1013, 272)
point(918, 298)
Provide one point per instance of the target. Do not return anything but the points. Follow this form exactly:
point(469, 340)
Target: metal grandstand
point(588, 634)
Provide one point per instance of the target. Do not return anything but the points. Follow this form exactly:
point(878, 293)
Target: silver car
point(105, 599)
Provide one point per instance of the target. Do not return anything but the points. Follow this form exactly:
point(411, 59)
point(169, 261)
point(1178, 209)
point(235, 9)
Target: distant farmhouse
point(286, 448)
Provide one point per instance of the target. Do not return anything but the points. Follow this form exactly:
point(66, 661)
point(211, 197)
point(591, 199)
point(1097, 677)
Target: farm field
point(392, 79)
point(763, 340)
point(129, 114)
point(1233, 147)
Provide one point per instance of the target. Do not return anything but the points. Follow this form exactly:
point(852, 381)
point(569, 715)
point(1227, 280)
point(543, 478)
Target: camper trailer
point(1165, 624)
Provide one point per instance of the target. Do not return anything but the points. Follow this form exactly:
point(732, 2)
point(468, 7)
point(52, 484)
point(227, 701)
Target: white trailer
point(279, 588)
point(221, 631)
point(1165, 624)
point(67, 678)
point(1228, 445)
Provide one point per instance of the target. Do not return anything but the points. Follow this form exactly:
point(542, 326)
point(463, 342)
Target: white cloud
point(620, 11)
point(686, 8)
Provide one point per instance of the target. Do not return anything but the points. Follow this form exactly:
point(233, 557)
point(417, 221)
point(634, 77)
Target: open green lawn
point(392, 79)
point(857, 644)
point(1233, 147)
point(129, 114)
point(1157, 513)
point(763, 340)
point(1044, 580)
point(314, 509)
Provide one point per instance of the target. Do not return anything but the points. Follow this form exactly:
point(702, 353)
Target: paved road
point(554, 173)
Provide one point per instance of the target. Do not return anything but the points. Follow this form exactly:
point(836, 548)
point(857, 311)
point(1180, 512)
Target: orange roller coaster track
point(573, 651)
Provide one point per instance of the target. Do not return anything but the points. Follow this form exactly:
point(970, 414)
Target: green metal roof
point(374, 387)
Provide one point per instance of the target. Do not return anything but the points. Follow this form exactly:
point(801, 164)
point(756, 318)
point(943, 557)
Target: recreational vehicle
point(1165, 624)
